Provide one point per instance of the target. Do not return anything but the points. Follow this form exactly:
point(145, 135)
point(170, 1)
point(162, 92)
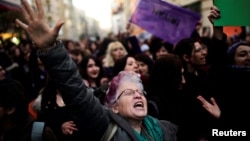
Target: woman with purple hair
point(126, 98)
point(124, 117)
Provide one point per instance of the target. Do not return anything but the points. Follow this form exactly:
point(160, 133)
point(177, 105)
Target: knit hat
point(233, 47)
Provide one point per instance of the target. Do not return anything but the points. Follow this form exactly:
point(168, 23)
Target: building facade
point(76, 22)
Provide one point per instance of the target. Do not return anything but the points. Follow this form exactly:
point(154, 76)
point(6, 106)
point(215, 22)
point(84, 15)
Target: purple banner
point(164, 20)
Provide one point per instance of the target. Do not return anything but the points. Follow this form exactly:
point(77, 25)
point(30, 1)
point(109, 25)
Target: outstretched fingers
point(215, 12)
point(213, 101)
point(21, 24)
point(58, 27)
point(36, 25)
point(40, 10)
point(215, 8)
point(30, 13)
point(25, 14)
point(203, 100)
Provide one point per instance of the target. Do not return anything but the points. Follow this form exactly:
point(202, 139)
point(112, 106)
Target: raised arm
point(217, 30)
point(37, 27)
point(86, 110)
point(218, 48)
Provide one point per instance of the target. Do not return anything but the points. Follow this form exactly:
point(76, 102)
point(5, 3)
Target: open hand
point(212, 108)
point(37, 27)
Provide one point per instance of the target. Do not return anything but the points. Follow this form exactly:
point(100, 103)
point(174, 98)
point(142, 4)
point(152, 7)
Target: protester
point(145, 64)
point(52, 110)
point(165, 83)
point(126, 63)
point(230, 107)
point(193, 57)
point(115, 51)
point(231, 77)
point(92, 72)
point(127, 116)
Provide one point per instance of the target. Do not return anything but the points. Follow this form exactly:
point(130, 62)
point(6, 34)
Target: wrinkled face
point(117, 52)
point(92, 69)
point(162, 51)
point(131, 65)
point(242, 56)
point(143, 68)
point(2, 73)
point(199, 54)
point(131, 102)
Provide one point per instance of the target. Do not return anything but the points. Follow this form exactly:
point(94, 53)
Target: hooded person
point(238, 54)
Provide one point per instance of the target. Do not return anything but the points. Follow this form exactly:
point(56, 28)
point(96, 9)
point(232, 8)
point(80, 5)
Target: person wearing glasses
point(124, 118)
point(126, 98)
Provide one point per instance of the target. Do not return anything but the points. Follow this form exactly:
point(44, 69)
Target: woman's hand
point(217, 30)
point(212, 108)
point(68, 127)
point(37, 26)
point(214, 14)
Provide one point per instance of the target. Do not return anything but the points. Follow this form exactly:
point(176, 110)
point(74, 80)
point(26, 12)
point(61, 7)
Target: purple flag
point(164, 20)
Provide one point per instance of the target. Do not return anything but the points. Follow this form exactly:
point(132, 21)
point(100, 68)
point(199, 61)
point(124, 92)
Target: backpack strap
point(37, 131)
point(110, 132)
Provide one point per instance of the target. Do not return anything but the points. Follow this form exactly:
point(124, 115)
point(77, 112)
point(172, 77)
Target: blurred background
point(93, 18)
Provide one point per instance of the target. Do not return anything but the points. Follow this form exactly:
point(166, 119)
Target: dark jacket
point(90, 116)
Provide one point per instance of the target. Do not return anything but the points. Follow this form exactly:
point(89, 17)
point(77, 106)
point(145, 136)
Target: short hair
point(123, 76)
point(12, 95)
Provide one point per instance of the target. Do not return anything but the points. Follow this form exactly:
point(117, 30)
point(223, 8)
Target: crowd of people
point(123, 88)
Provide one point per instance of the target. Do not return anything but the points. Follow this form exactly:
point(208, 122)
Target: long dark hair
point(120, 64)
point(83, 68)
point(166, 74)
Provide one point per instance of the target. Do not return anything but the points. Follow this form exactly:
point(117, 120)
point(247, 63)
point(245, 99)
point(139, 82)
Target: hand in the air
point(37, 26)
